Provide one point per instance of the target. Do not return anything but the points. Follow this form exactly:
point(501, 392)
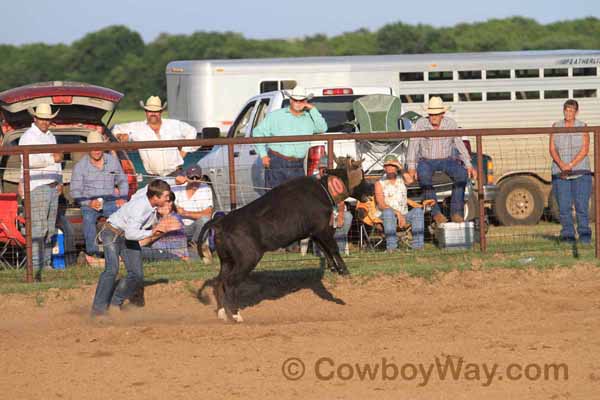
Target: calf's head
point(354, 178)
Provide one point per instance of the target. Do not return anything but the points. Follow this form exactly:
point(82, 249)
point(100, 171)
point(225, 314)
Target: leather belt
point(276, 154)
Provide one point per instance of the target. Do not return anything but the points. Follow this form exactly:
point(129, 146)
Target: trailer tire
point(519, 202)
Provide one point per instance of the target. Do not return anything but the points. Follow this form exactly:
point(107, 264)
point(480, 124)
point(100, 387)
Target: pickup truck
point(335, 104)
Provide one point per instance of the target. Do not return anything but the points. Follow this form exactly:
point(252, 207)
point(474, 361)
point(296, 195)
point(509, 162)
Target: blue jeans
point(90, 217)
point(341, 232)
point(281, 171)
point(569, 193)
point(455, 170)
point(192, 231)
point(415, 217)
point(115, 246)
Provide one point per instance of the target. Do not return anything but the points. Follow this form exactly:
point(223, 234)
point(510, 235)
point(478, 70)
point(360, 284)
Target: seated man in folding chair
point(428, 155)
point(393, 202)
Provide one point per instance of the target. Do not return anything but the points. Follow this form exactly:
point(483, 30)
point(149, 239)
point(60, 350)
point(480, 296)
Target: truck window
point(261, 111)
point(238, 129)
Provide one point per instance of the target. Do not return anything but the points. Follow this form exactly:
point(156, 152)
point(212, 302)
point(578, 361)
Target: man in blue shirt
point(284, 161)
point(120, 236)
point(93, 182)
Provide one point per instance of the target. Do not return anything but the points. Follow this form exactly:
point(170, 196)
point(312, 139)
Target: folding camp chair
point(378, 113)
point(12, 241)
point(371, 234)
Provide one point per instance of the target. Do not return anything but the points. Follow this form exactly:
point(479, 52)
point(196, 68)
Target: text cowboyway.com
point(448, 368)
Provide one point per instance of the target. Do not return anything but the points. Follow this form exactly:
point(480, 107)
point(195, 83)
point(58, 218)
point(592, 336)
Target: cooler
point(454, 235)
point(58, 250)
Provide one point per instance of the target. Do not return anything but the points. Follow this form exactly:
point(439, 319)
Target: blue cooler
point(58, 250)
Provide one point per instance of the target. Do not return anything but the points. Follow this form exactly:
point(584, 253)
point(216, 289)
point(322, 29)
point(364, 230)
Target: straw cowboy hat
point(298, 93)
point(392, 160)
point(153, 104)
point(43, 111)
point(95, 137)
point(436, 106)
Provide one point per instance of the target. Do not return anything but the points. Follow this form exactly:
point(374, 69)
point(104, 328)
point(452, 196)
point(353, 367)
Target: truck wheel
point(555, 214)
point(519, 202)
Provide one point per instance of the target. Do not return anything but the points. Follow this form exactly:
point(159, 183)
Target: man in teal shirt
point(284, 161)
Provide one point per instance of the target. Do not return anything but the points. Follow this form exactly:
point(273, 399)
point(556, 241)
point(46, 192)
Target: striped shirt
point(568, 146)
point(435, 148)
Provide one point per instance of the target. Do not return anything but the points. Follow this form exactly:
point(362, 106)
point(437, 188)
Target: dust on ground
point(388, 337)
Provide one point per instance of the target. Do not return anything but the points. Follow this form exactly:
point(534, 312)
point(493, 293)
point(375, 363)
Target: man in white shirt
point(158, 162)
point(46, 177)
point(194, 202)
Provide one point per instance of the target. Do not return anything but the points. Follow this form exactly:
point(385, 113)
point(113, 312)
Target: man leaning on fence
point(431, 154)
point(120, 236)
point(284, 161)
point(167, 162)
point(99, 185)
point(46, 178)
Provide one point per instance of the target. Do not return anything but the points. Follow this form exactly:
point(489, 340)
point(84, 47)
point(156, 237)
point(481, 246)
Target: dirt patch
point(387, 337)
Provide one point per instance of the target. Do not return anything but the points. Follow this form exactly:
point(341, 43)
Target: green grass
point(535, 249)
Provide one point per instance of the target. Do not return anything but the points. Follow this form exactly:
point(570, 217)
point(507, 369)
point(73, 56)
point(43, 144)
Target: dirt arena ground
point(502, 334)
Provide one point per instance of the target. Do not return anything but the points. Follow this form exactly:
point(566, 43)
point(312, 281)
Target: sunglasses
point(195, 178)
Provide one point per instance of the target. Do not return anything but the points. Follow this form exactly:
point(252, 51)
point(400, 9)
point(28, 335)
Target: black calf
point(295, 210)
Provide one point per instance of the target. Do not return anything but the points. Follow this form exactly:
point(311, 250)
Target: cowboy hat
point(43, 111)
point(153, 104)
point(436, 106)
point(298, 93)
point(392, 160)
point(95, 137)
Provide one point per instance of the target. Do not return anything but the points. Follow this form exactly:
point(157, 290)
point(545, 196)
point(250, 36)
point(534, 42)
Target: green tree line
point(118, 58)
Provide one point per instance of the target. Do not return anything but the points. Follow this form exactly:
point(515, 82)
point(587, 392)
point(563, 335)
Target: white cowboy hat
point(298, 93)
point(436, 106)
point(95, 137)
point(153, 104)
point(43, 111)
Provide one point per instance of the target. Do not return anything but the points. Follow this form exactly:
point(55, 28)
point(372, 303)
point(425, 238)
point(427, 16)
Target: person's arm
point(414, 145)
point(555, 156)
point(264, 129)
point(120, 182)
point(585, 149)
point(122, 131)
point(134, 230)
point(36, 161)
point(76, 187)
point(341, 206)
point(187, 132)
point(379, 197)
point(320, 125)
point(207, 212)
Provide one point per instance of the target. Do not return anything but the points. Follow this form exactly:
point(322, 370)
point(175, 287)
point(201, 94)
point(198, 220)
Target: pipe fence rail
point(236, 189)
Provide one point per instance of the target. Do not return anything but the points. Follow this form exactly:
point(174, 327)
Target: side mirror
point(209, 133)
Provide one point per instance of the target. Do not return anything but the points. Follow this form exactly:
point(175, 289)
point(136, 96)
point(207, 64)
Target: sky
point(64, 21)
